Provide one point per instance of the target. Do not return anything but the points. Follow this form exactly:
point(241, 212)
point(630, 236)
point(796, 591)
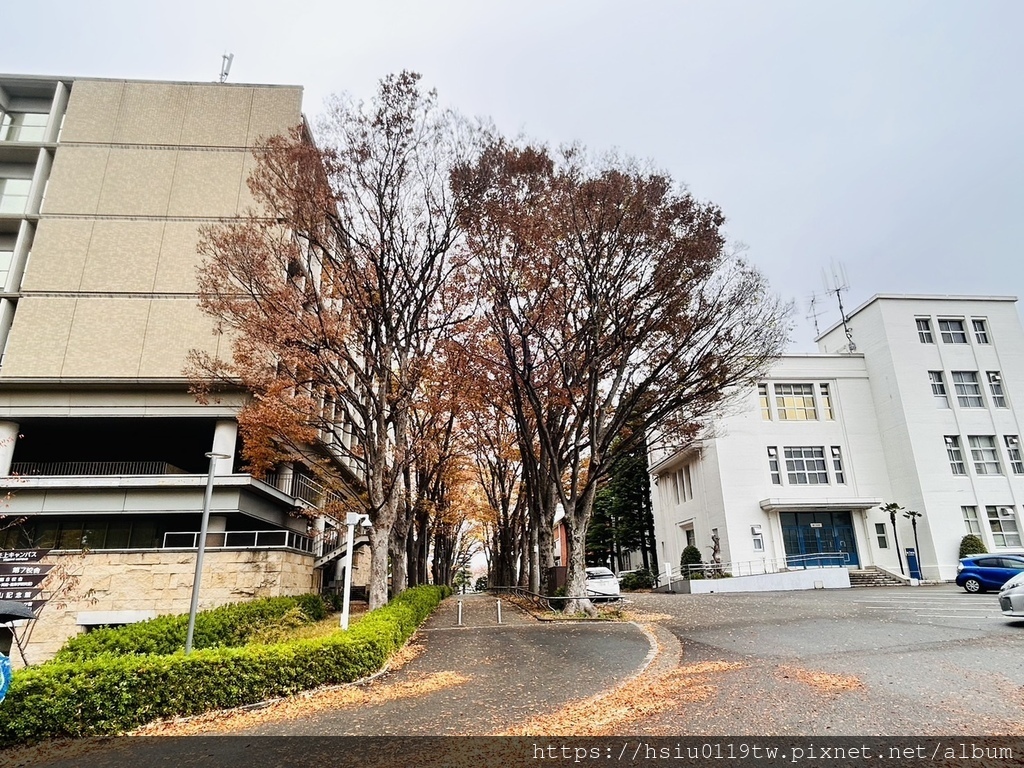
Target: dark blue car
point(981, 572)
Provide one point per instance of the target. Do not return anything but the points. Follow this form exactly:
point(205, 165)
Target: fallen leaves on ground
point(822, 681)
point(304, 705)
point(647, 694)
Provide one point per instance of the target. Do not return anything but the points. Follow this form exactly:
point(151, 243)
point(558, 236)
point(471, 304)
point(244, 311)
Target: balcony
point(65, 468)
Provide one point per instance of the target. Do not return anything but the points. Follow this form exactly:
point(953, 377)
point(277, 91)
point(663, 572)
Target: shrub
point(642, 579)
point(107, 694)
point(691, 556)
point(972, 545)
point(225, 626)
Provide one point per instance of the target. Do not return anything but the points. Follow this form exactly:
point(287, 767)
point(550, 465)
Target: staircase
point(873, 577)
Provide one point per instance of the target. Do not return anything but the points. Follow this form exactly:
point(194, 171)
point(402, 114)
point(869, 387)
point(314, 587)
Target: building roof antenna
point(225, 65)
point(813, 313)
point(838, 286)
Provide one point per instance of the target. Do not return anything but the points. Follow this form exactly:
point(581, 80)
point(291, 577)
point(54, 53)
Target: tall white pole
point(350, 523)
point(201, 550)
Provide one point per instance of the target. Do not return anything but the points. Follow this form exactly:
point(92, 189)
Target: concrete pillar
point(285, 474)
point(8, 440)
point(215, 529)
point(225, 436)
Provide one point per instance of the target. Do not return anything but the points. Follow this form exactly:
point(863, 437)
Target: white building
point(922, 413)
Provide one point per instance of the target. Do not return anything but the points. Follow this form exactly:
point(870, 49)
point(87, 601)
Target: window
point(883, 539)
point(805, 465)
point(924, 331)
point(23, 126)
point(968, 390)
point(938, 389)
point(1003, 523)
point(762, 395)
point(980, 331)
point(995, 387)
point(675, 487)
point(837, 465)
point(826, 401)
point(1013, 451)
point(14, 195)
point(956, 457)
point(773, 466)
point(685, 483)
point(6, 257)
point(984, 455)
point(971, 520)
point(952, 331)
point(795, 402)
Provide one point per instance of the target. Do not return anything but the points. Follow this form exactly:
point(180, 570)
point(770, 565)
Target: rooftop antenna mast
point(225, 65)
point(839, 286)
point(813, 313)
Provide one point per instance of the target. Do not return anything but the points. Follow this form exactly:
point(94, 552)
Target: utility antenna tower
point(225, 65)
point(813, 313)
point(838, 286)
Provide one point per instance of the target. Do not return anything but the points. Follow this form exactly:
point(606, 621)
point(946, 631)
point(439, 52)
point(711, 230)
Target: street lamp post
point(351, 521)
point(201, 550)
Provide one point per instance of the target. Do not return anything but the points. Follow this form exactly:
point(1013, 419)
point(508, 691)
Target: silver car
point(1011, 596)
point(602, 584)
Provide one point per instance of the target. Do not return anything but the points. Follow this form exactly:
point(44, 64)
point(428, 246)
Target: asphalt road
point(883, 661)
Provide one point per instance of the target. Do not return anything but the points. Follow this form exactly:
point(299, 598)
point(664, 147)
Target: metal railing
point(758, 567)
point(95, 468)
point(302, 487)
point(279, 539)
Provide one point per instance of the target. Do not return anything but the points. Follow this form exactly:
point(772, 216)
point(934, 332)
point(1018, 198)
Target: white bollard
point(499, 610)
point(668, 576)
point(460, 613)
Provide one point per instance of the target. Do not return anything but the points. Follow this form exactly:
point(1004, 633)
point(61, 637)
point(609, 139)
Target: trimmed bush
point(642, 579)
point(972, 545)
point(107, 694)
point(226, 626)
point(691, 556)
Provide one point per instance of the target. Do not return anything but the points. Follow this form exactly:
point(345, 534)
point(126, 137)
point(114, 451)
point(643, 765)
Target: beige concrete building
point(104, 187)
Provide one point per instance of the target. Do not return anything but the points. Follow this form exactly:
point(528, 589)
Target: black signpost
point(22, 555)
point(21, 574)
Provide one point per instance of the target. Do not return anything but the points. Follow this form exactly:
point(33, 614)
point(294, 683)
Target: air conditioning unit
point(1006, 511)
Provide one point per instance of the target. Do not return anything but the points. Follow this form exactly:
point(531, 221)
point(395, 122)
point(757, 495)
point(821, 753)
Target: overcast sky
point(883, 136)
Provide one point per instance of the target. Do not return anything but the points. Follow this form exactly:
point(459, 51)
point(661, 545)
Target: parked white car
point(1011, 596)
point(602, 584)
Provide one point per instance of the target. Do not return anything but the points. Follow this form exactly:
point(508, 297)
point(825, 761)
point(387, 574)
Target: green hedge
point(228, 625)
point(109, 694)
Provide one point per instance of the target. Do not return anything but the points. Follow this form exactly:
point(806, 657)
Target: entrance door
point(807, 534)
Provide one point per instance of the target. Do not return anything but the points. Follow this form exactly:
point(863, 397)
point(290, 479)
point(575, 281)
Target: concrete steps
point(873, 577)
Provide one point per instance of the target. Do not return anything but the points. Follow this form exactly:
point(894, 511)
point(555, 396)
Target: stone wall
point(143, 584)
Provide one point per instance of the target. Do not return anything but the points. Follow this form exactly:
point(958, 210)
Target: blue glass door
point(819, 538)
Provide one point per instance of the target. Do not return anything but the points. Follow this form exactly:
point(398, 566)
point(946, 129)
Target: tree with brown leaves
point(615, 304)
point(336, 290)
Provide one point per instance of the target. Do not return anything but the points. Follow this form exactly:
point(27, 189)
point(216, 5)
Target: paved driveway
point(872, 661)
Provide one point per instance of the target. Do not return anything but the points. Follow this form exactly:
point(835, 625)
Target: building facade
point(921, 412)
point(105, 186)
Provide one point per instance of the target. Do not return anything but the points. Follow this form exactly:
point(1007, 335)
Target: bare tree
point(615, 304)
point(337, 289)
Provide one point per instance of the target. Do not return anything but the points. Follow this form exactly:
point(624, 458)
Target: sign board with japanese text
point(22, 555)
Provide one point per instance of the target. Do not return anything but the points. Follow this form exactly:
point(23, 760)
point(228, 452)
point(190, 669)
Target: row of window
point(807, 465)
point(967, 386)
point(984, 454)
point(796, 402)
point(23, 126)
point(952, 331)
point(1002, 522)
